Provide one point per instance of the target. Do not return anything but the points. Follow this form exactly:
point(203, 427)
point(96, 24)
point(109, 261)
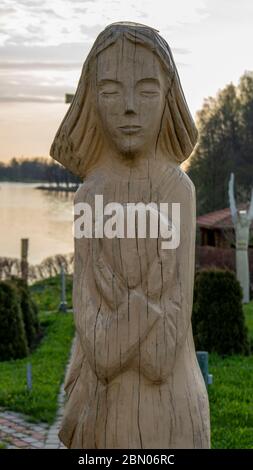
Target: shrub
point(13, 343)
point(29, 311)
point(218, 319)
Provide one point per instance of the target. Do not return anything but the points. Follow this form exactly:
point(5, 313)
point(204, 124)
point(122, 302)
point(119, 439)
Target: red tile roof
point(219, 219)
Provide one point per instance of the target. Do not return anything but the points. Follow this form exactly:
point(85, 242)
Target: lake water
point(43, 217)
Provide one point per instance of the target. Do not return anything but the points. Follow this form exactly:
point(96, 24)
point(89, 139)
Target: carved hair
point(79, 142)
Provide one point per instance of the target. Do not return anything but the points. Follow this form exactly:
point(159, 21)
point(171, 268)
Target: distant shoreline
point(31, 181)
point(70, 189)
point(44, 187)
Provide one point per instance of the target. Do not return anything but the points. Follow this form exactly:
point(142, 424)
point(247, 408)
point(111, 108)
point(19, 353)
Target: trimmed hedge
point(29, 311)
point(13, 343)
point(218, 319)
point(19, 322)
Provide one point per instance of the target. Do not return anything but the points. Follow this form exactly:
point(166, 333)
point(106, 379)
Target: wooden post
point(202, 357)
point(29, 376)
point(24, 259)
point(63, 305)
point(68, 98)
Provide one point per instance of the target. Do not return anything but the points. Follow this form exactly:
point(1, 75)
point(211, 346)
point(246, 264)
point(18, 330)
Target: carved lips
point(130, 129)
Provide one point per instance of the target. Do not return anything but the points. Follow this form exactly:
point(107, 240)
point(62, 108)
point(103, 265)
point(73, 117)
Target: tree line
point(225, 145)
point(36, 170)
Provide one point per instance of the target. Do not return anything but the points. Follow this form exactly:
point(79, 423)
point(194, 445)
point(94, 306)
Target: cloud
point(6, 10)
point(30, 99)
point(29, 3)
point(37, 82)
point(80, 9)
point(91, 31)
point(39, 65)
point(43, 44)
point(53, 22)
point(16, 39)
point(180, 50)
point(60, 53)
point(50, 22)
point(50, 12)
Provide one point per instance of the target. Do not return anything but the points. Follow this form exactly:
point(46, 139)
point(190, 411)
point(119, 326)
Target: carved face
point(131, 88)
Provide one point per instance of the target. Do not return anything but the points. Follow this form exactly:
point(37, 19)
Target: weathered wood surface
point(242, 221)
point(134, 380)
point(24, 259)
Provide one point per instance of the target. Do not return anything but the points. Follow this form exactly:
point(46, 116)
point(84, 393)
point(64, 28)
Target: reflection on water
point(43, 217)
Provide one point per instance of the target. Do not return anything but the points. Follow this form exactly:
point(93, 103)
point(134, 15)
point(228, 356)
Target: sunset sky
point(43, 44)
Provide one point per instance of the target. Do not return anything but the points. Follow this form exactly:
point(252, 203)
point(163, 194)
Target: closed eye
point(109, 93)
point(149, 93)
point(109, 88)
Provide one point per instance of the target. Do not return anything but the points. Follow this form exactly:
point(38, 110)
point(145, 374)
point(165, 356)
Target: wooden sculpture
point(134, 381)
point(242, 220)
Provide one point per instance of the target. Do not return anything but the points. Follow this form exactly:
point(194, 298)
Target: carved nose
point(130, 103)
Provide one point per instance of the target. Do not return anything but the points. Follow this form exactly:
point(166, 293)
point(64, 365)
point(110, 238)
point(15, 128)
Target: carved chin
point(129, 151)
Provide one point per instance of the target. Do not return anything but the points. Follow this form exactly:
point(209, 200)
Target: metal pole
point(202, 357)
point(63, 305)
point(29, 376)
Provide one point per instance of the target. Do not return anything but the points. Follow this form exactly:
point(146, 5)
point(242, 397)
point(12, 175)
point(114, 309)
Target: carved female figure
point(134, 381)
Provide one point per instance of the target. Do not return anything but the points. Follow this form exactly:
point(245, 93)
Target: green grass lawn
point(231, 397)
point(48, 361)
point(248, 310)
point(47, 293)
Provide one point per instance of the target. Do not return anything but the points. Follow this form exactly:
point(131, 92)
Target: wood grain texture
point(134, 381)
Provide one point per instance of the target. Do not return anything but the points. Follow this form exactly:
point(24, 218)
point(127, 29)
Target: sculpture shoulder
point(186, 181)
point(81, 193)
point(183, 183)
point(89, 188)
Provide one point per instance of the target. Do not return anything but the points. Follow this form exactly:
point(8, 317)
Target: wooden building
point(216, 229)
point(215, 245)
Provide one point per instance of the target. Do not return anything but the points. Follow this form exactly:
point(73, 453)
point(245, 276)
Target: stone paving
point(16, 432)
point(52, 439)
